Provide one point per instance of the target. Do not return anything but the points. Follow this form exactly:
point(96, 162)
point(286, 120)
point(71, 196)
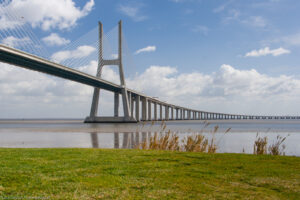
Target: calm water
point(74, 133)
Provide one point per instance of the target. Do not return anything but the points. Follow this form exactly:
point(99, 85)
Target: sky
point(233, 56)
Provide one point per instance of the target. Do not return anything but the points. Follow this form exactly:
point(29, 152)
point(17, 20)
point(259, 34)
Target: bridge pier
point(116, 106)
point(144, 109)
point(155, 111)
point(166, 112)
point(126, 96)
point(137, 108)
point(149, 111)
point(160, 112)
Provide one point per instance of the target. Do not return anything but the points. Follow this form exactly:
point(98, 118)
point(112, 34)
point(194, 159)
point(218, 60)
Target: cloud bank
point(24, 93)
point(61, 14)
point(79, 52)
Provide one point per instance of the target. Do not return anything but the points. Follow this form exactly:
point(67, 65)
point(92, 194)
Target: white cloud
point(133, 12)
point(61, 14)
point(6, 23)
point(55, 40)
point(251, 21)
point(222, 6)
point(16, 42)
point(80, 52)
point(267, 51)
point(256, 21)
point(227, 90)
point(146, 49)
point(25, 93)
point(292, 39)
point(200, 29)
point(107, 72)
point(233, 15)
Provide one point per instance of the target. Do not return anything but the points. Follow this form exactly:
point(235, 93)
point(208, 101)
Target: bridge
point(136, 106)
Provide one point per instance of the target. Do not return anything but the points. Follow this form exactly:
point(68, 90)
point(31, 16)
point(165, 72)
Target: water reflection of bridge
point(129, 140)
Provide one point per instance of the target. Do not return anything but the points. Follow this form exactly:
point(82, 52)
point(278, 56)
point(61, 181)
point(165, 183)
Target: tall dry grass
point(195, 143)
point(191, 143)
point(277, 148)
point(261, 146)
point(162, 140)
point(168, 141)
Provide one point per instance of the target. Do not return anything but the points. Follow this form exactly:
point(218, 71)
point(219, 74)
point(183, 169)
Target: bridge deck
point(16, 57)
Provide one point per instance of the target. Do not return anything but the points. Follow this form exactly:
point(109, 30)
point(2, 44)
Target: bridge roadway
point(148, 104)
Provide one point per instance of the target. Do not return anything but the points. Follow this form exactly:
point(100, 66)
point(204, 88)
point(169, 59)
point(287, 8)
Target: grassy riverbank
point(140, 174)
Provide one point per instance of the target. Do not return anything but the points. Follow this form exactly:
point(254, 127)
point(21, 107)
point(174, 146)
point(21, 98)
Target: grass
point(145, 174)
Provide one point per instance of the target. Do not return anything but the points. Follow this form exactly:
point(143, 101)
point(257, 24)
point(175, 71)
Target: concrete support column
point(129, 103)
point(155, 111)
point(144, 109)
point(172, 113)
point(149, 110)
point(116, 106)
point(132, 106)
point(137, 107)
point(166, 112)
point(177, 110)
point(160, 112)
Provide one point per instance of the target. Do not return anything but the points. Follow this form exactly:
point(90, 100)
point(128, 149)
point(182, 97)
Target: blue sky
point(202, 35)
point(233, 56)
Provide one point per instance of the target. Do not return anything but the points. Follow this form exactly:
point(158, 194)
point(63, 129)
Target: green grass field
point(141, 174)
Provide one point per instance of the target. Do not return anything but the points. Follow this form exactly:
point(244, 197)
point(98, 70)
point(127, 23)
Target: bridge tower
point(128, 116)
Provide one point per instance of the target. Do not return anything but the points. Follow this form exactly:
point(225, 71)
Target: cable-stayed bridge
point(136, 105)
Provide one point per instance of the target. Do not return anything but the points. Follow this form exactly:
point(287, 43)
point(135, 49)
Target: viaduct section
point(136, 106)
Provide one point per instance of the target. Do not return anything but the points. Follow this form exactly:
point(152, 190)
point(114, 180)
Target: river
point(73, 133)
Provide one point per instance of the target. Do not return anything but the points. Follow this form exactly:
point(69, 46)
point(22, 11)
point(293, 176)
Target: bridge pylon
point(128, 115)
